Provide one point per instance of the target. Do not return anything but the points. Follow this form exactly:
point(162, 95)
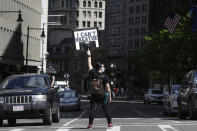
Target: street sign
point(66, 75)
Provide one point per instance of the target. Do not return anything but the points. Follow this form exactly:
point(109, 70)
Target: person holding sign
point(100, 91)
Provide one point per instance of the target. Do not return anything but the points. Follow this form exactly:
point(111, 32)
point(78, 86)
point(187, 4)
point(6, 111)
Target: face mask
point(102, 69)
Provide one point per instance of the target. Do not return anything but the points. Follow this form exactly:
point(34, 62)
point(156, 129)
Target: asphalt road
point(127, 116)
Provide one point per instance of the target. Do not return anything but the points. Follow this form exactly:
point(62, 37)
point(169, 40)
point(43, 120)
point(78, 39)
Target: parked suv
point(187, 98)
point(29, 96)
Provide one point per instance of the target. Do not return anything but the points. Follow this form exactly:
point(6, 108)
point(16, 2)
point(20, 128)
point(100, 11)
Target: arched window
point(100, 4)
point(84, 3)
point(89, 3)
point(95, 4)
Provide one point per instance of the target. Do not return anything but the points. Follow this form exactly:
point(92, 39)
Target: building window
point(95, 14)
point(95, 4)
point(131, 10)
point(53, 3)
point(77, 13)
point(67, 3)
point(84, 13)
point(137, 20)
point(84, 3)
point(77, 3)
point(100, 5)
point(77, 23)
point(63, 20)
point(89, 14)
point(89, 3)
point(88, 24)
point(58, 50)
point(137, 43)
point(62, 3)
point(131, 1)
point(143, 30)
point(143, 19)
point(100, 24)
point(138, 9)
point(95, 24)
point(137, 31)
point(144, 8)
point(130, 32)
point(100, 14)
point(131, 21)
point(84, 23)
point(76, 67)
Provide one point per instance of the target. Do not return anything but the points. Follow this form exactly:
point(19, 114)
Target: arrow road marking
point(165, 127)
point(115, 128)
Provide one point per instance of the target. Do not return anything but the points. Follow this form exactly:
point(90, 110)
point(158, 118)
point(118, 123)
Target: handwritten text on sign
point(85, 36)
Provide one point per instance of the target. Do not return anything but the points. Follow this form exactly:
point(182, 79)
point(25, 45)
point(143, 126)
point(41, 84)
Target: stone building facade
point(13, 35)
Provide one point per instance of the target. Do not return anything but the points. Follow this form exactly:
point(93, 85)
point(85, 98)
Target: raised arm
point(89, 60)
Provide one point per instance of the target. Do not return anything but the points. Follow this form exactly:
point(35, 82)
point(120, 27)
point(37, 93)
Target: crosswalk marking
point(66, 124)
point(115, 128)
point(166, 127)
point(17, 130)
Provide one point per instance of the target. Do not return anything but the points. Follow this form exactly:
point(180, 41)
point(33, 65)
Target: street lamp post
point(42, 36)
point(19, 15)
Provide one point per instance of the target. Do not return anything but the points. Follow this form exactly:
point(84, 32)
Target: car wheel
point(192, 113)
point(56, 116)
point(181, 114)
point(1, 121)
point(47, 120)
point(12, 122)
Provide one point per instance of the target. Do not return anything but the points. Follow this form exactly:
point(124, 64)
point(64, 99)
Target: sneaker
point(89, 127)
point(110, 125)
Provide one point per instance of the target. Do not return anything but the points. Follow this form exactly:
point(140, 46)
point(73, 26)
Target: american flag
point(171, 21)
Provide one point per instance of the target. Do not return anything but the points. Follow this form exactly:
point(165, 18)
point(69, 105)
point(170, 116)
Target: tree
point(168, 55)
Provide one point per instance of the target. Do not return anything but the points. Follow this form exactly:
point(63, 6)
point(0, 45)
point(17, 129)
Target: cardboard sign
point(86, 36)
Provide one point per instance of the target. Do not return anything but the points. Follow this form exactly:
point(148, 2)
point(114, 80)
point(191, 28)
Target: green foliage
point(167, 54)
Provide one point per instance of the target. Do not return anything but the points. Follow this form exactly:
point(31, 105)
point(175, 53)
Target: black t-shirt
point(95, 75)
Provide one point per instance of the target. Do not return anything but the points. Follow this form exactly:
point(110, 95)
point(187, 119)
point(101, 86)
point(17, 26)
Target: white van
point(62, 85)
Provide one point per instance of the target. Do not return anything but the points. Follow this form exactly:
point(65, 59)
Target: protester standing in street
point(99, 88)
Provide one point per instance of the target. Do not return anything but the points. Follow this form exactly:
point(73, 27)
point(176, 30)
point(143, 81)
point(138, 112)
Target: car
point(29, 96)
point(170, 97)
point(70, 99)
point(187, 97)
point(153, 95)
point(62, 85)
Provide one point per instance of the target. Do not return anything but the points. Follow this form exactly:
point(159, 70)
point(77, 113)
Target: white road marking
point(17, 130)
point(66, 124)
point(166, 127)
point(114, 128)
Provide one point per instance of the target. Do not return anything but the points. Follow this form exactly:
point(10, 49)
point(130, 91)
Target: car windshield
point(23, 82)
point(195, 78)
point(68, 94)
point(156, 92)
point(175, 89)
